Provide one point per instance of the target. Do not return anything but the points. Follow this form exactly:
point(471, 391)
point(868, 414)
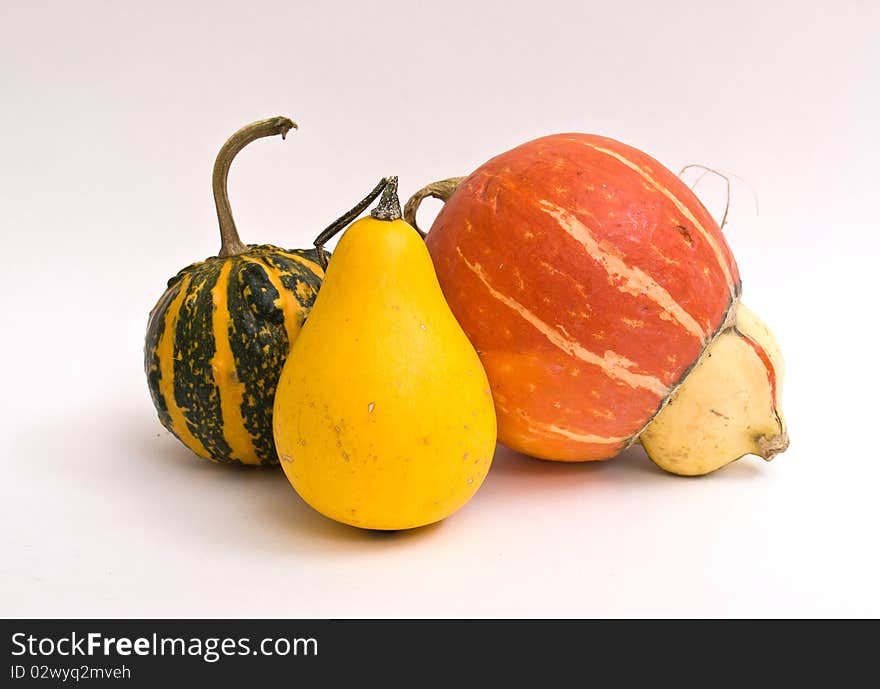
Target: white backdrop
point(112, 114)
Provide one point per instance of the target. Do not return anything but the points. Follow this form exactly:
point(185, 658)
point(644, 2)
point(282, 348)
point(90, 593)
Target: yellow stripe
point(311, 265)
point(165, 355)
point(683, 209)
point(231, 389)
point(631, 280)
point(613, 364)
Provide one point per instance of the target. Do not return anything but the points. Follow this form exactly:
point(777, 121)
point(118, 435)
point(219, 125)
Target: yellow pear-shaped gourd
point(383, 416)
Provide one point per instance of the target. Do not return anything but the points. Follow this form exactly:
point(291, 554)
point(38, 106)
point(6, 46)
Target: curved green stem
point(439, 190)
point(230, 243)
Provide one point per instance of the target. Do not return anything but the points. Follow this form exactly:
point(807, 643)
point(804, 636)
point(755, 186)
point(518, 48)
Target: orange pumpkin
point(590, 279)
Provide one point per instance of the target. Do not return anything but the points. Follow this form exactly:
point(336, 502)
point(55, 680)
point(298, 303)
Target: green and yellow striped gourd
point(219, 335)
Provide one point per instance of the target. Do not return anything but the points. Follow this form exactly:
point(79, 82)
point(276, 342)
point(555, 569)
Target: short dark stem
point(389, 205)
point(231, 244)
point(387, 187)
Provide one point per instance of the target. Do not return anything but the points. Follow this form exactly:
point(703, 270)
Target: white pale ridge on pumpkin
point(683, 209)
point(551, 430)
point(582, 437)
point(614, 365)
point(633, 280)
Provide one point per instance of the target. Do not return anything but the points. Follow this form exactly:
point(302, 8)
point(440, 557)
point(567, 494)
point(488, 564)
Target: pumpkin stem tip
point(387, 188)
point(285, 124)
point(388, 207)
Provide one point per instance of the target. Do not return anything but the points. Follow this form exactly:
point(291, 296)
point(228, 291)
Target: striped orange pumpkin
point(590, 279)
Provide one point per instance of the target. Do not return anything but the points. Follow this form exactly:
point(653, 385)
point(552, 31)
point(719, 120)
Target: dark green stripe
point(292, 274)
point(194, 388)
point(155, 329)
point(259, 347)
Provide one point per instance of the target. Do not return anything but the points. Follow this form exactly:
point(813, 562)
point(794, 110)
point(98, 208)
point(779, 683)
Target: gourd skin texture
point(729, 406)
point(216, 342)
point(383, 414)
point(590, 279)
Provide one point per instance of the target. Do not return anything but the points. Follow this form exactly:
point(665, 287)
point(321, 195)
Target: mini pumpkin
point(218, 337)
